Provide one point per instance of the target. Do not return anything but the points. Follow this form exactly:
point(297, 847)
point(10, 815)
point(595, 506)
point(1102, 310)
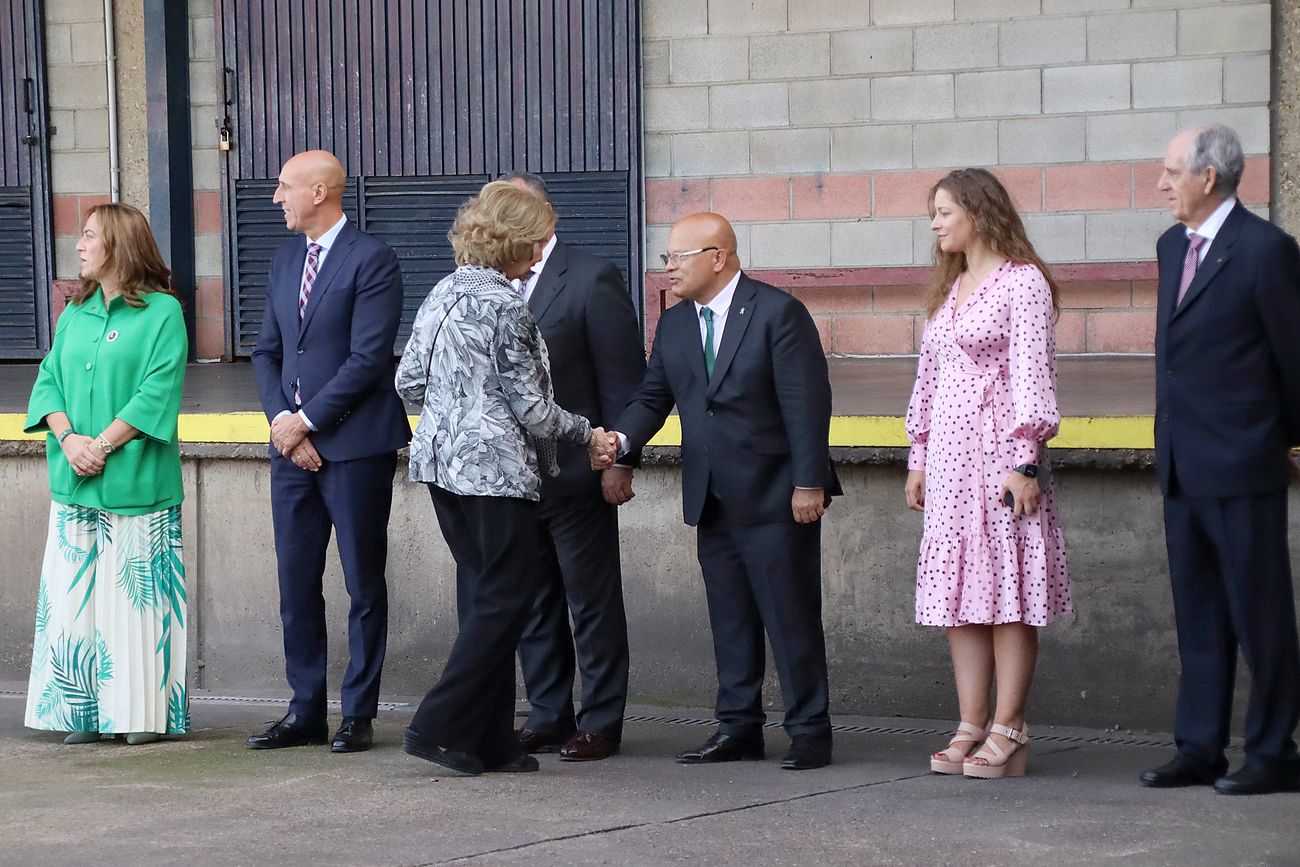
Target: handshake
point(602, 448)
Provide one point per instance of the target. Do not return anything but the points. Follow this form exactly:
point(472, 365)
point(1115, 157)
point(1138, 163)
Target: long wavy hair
point(130, 256)
point(982, 196)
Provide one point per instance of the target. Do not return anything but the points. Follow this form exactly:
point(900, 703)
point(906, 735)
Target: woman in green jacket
point(109, 654)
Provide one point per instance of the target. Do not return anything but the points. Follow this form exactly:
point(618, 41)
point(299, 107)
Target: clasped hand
point(85, 459)
point(602, 448)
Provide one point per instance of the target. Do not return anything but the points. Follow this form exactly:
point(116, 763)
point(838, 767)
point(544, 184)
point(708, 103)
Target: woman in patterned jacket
point(109, 654)
point(476, 366)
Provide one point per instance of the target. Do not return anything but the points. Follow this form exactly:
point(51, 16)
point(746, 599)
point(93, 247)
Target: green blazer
point(119, 362)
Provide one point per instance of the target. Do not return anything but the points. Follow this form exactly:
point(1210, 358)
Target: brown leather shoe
point(588, 747)
point(540, 742)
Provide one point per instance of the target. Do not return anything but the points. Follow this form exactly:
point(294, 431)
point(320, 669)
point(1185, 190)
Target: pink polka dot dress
point(984, 403)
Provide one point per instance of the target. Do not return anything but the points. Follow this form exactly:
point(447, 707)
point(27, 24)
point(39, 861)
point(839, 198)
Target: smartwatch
point(1029, 471)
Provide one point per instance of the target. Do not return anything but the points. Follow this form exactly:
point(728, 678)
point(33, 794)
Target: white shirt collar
point(1214, 222)
point(331, 234)
point(721, 302)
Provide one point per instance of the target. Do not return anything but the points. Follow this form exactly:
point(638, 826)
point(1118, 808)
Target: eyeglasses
point(675, 259)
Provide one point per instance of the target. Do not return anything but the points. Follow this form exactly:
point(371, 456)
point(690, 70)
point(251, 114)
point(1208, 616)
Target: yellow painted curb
point(863, 431)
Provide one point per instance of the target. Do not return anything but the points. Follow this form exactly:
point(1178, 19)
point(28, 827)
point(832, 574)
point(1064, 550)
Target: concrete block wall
point(205, 108)
point(77, 86)
point(818, 128)
point(79, 165)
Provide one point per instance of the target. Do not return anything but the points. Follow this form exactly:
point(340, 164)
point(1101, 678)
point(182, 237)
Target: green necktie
point(708, 340)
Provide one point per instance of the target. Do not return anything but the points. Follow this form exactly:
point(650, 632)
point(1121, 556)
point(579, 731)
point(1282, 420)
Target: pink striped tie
point(1190, 263)
point(308, 277)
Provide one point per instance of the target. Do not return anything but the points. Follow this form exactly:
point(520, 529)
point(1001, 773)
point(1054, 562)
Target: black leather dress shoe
point(354, 736)
point(1182, 771)
point(807, 752)
point(1260, 780)
point(453, 760)
point(534, 741)
point(724, 748)
point(291, 731)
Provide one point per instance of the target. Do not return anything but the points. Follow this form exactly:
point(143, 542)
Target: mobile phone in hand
point(1009, 500)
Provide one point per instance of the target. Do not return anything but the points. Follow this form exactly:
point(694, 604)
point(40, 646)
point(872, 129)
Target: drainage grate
point(1116, 740)
point(1103, 739)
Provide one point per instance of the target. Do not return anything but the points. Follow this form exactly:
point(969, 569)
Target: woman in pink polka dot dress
point(982, 409)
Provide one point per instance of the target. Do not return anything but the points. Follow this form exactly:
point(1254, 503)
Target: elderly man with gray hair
point(1227, 414)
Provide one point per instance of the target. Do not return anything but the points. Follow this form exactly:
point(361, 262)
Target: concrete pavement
point(205, 799)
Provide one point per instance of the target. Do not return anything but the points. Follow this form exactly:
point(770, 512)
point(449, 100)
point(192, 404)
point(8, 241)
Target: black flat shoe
point(520, 764)
point(1260, 780)
point(453, 760)
point(724, 748)
point(355, 736)
point(291, 731)
point(1181, 771)
point(807, 752)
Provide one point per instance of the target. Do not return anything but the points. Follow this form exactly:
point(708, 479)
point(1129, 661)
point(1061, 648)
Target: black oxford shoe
point(291, 731)
point(724, 748)
point(1260, 780)
point(534, 741)
point(1182, 771)
point(807, 752)
point(354, 736)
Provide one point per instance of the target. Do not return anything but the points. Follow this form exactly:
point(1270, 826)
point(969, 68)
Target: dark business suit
point(1227, 409)
point(751, 433)
point(339, 359)
point(594, 341)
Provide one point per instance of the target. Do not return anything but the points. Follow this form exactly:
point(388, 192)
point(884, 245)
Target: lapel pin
point(112, 335)
point(742, 311)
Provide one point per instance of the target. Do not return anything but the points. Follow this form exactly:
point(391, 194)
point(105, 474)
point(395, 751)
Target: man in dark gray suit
point(591, 331)
point(743, 363)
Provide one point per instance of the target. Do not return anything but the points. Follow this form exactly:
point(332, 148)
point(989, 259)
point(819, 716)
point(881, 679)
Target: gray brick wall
point(783, 88)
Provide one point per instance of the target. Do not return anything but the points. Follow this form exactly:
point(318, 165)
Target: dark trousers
point(579, 574)
point(354, 498)
point(494, 543)
point(765, 577)
point(1231, 577)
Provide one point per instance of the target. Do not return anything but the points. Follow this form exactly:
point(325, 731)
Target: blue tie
point(708, 340)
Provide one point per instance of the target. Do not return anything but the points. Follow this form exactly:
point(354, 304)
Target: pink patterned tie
point(1190, 263)
point(308, 277)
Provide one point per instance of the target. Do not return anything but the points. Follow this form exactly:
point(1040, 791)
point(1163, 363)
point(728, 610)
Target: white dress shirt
point(525, 290)
point(721, 306)
point(1211, 227)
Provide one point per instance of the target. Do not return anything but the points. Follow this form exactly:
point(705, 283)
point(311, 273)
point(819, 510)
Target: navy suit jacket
point(597, 357)
point(760, 426)
point(1228, 361)
point(340, 354)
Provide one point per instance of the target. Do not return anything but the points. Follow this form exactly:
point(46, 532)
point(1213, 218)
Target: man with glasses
point(743, 363)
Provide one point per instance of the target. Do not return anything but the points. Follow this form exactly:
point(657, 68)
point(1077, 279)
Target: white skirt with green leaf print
point(109, 654)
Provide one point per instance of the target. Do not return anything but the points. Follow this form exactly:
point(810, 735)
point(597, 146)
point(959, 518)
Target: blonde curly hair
point(502, 224)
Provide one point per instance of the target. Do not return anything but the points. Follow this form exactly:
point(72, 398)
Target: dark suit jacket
point(1228, 361)
point(597, 357)
point(760, 427)
point(341, 353)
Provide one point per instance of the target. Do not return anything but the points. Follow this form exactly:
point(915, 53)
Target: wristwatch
point(104, 445)
point(63, 436)
point(1029, 471)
